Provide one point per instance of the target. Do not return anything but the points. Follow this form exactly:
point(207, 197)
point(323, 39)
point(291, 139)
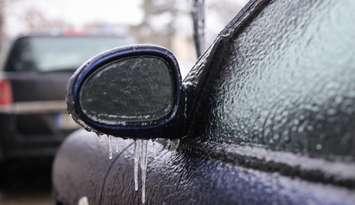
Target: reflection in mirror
point(132, 89)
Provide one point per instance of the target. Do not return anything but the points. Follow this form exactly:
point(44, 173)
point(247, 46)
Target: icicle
point(117, 143)
point(144, 167)
point(83, 201)
point(109, 147)
point(140, 160)
point(137, 147)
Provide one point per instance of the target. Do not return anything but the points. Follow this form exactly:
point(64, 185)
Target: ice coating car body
point(269, 119)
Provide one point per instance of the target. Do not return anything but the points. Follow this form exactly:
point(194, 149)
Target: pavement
point(26, 182)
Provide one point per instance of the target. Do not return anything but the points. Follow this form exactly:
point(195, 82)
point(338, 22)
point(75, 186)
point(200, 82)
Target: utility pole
point(198, 20)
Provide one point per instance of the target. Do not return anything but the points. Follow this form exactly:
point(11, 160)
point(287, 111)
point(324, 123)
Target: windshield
point(58, 53)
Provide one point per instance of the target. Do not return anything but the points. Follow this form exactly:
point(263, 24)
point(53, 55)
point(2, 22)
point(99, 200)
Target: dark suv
point(33, 79)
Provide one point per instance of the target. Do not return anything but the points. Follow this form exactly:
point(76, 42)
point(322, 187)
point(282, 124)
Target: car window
point(285, 82)
point(58, 53)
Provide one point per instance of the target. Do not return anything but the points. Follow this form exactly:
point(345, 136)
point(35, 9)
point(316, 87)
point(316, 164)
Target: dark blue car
point(266, 116)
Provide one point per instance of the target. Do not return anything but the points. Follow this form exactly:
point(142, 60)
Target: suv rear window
point(57, 53)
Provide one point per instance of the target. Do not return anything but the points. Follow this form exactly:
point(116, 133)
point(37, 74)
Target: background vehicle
point(270, 120)
point(32, 90)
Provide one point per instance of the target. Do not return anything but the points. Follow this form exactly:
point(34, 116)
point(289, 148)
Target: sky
point(76, 12)
point(79, 12)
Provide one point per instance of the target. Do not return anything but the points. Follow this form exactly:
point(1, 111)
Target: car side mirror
point(131, 92)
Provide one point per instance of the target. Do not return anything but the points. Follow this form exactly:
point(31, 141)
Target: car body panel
point(82, 168)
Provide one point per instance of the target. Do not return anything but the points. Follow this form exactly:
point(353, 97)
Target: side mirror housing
point(130, 92)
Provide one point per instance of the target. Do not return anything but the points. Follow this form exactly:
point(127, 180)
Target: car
point(33, 79)
point(265, 116)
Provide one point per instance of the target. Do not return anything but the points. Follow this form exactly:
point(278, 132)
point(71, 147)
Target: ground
point(26, 183)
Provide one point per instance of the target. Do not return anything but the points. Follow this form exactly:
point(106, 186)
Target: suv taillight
point(5, 93)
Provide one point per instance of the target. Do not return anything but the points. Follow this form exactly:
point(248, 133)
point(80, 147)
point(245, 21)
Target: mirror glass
point(132, 89)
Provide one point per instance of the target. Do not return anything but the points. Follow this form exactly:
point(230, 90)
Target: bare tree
point(35, 21)
point(162, 11)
